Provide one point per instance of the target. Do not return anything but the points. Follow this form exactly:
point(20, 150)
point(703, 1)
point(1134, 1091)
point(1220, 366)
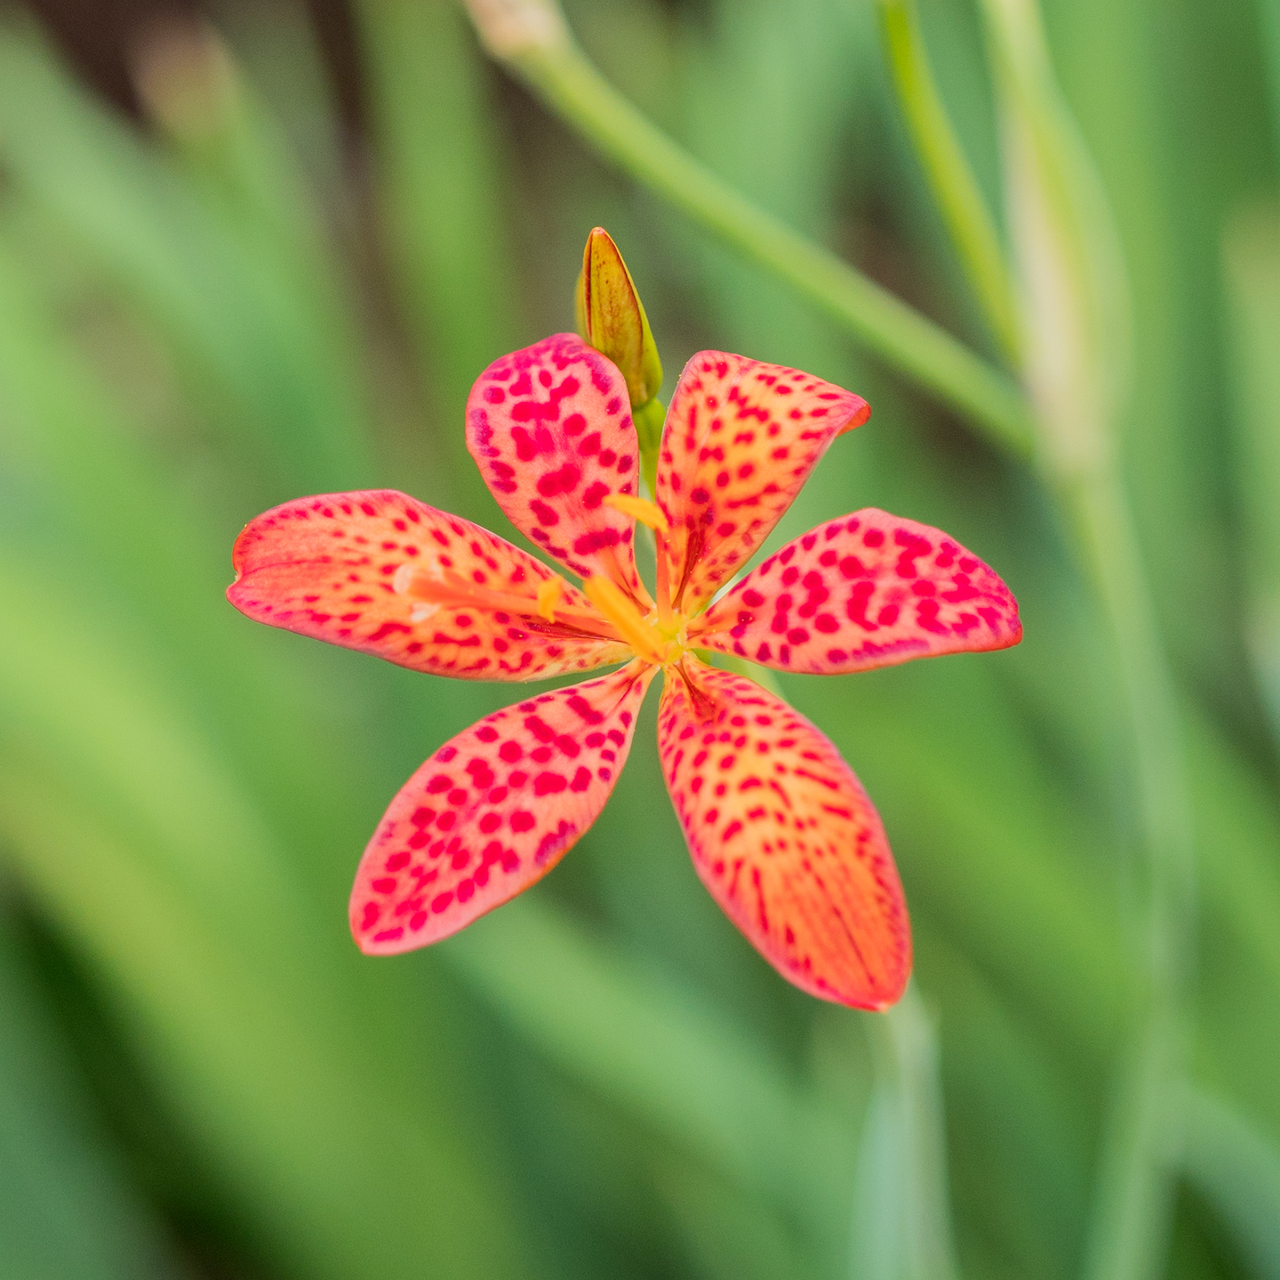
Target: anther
point(640, 509)
point(549, 594)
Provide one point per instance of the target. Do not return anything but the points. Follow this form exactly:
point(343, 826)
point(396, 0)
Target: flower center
point(659, 636)
point(659, 640)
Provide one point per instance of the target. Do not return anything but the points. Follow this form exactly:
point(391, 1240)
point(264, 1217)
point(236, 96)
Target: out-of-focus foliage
point(238, 300)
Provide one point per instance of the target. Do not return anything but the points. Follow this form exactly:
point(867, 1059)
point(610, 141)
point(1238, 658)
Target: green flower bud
point(611, 318)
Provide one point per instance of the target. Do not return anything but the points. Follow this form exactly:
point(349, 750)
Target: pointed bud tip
point(611, 316)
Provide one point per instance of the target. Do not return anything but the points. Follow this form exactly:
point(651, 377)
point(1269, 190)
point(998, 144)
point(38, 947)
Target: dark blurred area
point(100, 41)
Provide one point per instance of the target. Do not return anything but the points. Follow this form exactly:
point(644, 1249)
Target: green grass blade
point(954, 186)
point(902, 1215)
point(221, 304)
point(442, 198)
point(66, 1208)
point(1237, 1169)
point(704, 1082)
point(1251, 258)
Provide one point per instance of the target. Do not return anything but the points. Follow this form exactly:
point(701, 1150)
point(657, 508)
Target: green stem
point(1134, 1202)
point(649, 418)
point(1076, 345)
point(557, 70)
point(1109, 544)
point(912, 1050)
point(954, 186)
point(907, 1049)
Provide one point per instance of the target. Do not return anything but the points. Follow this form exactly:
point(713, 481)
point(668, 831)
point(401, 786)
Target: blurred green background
point(264, 253)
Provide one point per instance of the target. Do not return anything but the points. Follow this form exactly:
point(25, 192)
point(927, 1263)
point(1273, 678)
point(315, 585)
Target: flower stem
point(530, 38)
point(1075, 341)
point(1134, 1199)
point(649, 419)
point(954, 186)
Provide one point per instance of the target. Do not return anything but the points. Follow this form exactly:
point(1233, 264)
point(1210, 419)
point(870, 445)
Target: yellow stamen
point(549, 594)
point(621, 610)
point(639, 509)
point(445, 587)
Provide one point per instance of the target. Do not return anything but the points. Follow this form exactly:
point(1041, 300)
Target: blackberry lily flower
point(780, 830)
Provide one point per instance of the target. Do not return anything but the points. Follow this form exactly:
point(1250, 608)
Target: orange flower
point(781, 832)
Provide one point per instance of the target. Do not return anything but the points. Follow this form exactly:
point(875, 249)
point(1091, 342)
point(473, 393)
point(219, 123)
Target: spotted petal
point(329, 566)
point(740, 440)
point(493, 811)
point(867, 590)
point(784, 837)
point(550, 429)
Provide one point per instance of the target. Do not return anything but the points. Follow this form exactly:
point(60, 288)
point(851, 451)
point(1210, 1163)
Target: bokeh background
point(261, 250)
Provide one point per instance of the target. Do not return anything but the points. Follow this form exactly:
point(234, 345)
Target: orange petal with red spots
point(867, 590)
point(550, 429)
point(329, 567)
point(740, 440)
point(784, 837)
point(493, 811)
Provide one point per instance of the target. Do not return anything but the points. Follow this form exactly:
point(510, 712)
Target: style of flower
point(780, 830)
